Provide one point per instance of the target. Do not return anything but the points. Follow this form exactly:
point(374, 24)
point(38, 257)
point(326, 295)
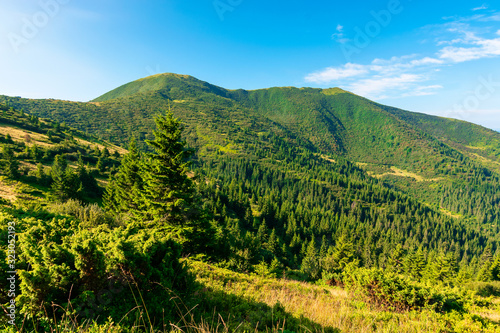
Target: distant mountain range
point(436, 160)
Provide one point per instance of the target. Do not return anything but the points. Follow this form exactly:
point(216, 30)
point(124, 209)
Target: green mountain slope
point(423, 155)
point(184, 85)
point(30, 147)
point(436, 160)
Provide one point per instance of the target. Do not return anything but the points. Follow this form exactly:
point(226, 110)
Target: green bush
point(90, 215)
point(99, 273)
point(485, 289)
point(399, 293)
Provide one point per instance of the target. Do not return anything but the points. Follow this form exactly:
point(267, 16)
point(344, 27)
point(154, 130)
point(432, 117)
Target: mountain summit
point(160, 83)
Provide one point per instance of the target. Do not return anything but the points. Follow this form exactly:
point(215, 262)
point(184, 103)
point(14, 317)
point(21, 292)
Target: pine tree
point(415, 263)
point(272, 244)
point(86, 182)
point(310, 263)
point(485, 271)
point(442, 268)
point(40, 175)
point(262, 232)
point(168, 194)
point(340, 256)
point(323, 250)
point(63, 179)
point(395, 263)
point(11, 167)
point(495, 268)
point(167, 199)
point(123, 191)
point(100, 165)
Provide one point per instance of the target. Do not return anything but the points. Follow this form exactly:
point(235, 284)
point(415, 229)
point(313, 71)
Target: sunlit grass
point(329, 308)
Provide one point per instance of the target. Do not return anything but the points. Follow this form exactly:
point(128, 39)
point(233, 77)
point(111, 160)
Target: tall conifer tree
point(168, 194)
point(123, 191)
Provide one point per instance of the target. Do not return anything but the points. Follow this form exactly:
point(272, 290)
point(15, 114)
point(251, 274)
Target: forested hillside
point(447, 164)
point(304, 184)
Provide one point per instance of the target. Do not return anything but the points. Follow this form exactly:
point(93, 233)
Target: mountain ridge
point(430, 152)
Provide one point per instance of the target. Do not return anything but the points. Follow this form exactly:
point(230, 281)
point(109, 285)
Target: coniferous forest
point(170, 204)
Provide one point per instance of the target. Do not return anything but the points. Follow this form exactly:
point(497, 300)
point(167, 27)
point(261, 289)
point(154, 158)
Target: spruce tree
point(123, 190)
point(310, 263)
point(272, 244)
point(340, 256)
point(168, 200)
point(63, 179)
point(11, 166)
point(168, 194)
point(87, 184)
point(395, 262)
point(495, 268)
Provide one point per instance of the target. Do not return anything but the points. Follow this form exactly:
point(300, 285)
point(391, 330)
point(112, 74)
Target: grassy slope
point(24, 133)
point(233, 302)
point(470, 139)
point(239, 298)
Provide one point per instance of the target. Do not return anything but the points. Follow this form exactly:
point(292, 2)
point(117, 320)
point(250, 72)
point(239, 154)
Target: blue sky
point(437, 57)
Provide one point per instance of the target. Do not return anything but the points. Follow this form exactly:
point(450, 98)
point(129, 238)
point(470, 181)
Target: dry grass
point(401, 173)
point(324, 305)
point(19, 135)
point(492, 313)
point(327, 158)
point(449, 213)
point(404, 173)
point(8, 190)
point(486, 161)
point(111, 148)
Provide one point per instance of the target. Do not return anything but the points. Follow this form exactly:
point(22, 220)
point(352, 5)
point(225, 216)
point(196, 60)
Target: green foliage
point(485, 289)
point(64, 183)
point(123, 191)
point(28, 159)
point(277, 190)
point(401, 293)
point(337, 259)
point(101, 272)
point(310, 263)
point(11, 164)
point(455, 160)
point(156, 190)
point(89, 215)
point(168, 192)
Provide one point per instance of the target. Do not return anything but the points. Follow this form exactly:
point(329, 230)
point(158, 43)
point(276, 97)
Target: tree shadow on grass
point(243, 314)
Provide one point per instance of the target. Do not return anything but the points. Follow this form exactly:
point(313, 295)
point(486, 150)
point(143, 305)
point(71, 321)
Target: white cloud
point(494, 17)
point(339, 35)
point(423, 91)
point(470, 44)
point(467, 36)
point(382, 78)
point(376, 87)
point(484, 6)
point(399, 64)
point(379, 67)
point(410, 75)
point(331, 74)
point(483, 48)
